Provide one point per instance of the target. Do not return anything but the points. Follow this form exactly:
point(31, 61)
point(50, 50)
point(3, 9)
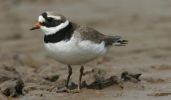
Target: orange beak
point(36, 26)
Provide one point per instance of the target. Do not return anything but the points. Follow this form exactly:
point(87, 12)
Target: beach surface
point(25, 64)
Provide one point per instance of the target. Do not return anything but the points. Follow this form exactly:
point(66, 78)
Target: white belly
point(75, 51)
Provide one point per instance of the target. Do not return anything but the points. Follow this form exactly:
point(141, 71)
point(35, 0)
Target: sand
point(146, 24)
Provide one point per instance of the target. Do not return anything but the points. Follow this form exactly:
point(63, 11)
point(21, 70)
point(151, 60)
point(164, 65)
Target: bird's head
point(50, 23)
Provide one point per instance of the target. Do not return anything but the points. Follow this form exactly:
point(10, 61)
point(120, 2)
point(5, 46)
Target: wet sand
point(146, 24)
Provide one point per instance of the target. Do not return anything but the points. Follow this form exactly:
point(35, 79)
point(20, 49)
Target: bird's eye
point(50, 19)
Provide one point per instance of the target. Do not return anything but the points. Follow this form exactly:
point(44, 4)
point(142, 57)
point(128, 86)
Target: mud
point(146, 24)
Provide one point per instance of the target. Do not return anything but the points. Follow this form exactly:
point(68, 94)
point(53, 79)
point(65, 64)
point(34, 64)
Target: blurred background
point(146, 24)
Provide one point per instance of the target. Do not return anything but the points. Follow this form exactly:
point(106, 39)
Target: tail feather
point(116, 40)
point(121, 42)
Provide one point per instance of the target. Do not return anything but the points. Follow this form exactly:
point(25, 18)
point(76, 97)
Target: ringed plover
point(73, 44)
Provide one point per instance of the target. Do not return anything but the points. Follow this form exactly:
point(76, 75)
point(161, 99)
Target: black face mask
point(51, 22)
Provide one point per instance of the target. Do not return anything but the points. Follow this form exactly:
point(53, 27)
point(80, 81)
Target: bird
point(72, 44)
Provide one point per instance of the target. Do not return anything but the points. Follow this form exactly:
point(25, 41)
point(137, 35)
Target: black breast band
point(63, 34)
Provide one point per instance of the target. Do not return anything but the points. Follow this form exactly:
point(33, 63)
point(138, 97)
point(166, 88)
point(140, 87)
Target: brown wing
point(88, 33)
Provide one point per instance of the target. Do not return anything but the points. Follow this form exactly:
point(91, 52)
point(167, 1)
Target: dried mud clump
point(100, 79)
point(12, 88)
point(102, 83)
point(11, 83)
point(125, 76)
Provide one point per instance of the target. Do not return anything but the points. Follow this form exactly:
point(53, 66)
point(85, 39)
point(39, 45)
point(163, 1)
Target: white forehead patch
point(41, 19)
point(55, 17)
